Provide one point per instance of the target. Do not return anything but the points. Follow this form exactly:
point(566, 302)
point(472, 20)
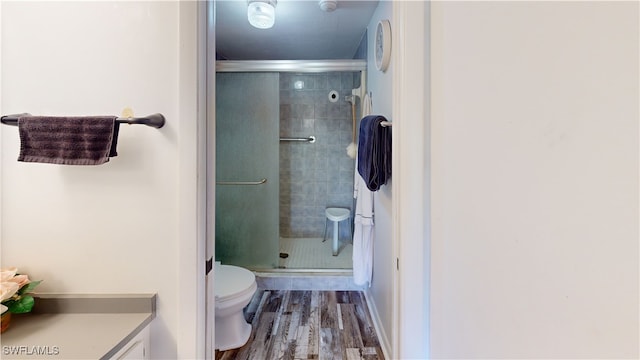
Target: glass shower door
point(247, 175)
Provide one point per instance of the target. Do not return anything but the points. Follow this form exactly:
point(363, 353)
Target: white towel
point(363, 221)
point(362, 233)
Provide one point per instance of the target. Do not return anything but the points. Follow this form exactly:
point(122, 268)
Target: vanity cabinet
point(110, 326)
point(136, 349)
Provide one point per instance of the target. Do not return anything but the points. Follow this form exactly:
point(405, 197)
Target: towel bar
point(154, 120)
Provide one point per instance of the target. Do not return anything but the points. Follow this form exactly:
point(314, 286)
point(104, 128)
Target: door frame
point(411, 189)
point(411, 229)
point(207, 72)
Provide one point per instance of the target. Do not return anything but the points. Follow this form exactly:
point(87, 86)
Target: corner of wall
point(1, 112)
point(381, 294)
point(191, 342)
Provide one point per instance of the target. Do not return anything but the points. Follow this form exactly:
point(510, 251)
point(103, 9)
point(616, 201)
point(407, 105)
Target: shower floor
point(312, 253)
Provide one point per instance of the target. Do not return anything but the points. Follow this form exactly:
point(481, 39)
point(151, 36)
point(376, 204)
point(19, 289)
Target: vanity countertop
point(65, 326)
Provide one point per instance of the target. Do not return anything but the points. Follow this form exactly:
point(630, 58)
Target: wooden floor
point(289, 324)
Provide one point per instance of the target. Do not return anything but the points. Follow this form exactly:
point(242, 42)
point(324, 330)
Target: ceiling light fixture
point(262, 13)
point(328, 5)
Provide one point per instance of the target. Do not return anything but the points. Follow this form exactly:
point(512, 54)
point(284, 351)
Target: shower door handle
point(260, 182)
point(311, 139)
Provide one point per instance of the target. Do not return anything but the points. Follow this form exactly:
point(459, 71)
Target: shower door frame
point(298, 66)
point(290, 66)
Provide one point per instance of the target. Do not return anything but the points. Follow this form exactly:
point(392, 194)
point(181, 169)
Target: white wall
point(113, 228)
point(380, 294)
point(534, 180)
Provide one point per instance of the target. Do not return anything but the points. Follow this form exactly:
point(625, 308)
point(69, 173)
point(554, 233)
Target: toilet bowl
point(234, 288)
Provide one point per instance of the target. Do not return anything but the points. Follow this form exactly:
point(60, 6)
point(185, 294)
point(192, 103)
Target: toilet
point(234, 288)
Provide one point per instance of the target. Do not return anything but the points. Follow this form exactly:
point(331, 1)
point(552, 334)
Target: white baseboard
point(385, 344)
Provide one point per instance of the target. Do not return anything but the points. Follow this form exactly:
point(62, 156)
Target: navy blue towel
point(374, 152)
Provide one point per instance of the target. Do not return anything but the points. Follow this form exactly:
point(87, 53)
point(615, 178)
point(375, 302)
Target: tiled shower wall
point(319, 175)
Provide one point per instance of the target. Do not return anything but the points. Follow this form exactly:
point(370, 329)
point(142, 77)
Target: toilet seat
point(233, 282)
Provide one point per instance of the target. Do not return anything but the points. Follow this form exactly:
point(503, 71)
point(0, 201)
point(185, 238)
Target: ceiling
point(302, 31)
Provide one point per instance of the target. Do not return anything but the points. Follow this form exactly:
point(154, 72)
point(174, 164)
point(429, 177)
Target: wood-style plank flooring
point(290, 324)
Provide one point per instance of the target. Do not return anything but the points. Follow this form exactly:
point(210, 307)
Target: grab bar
point(311, 139)
point(241, 182)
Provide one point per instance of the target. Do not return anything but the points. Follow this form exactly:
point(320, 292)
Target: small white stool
point(335, 215)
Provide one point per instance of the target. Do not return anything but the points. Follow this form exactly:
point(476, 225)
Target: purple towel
point(86, 140)
point(374, 152)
